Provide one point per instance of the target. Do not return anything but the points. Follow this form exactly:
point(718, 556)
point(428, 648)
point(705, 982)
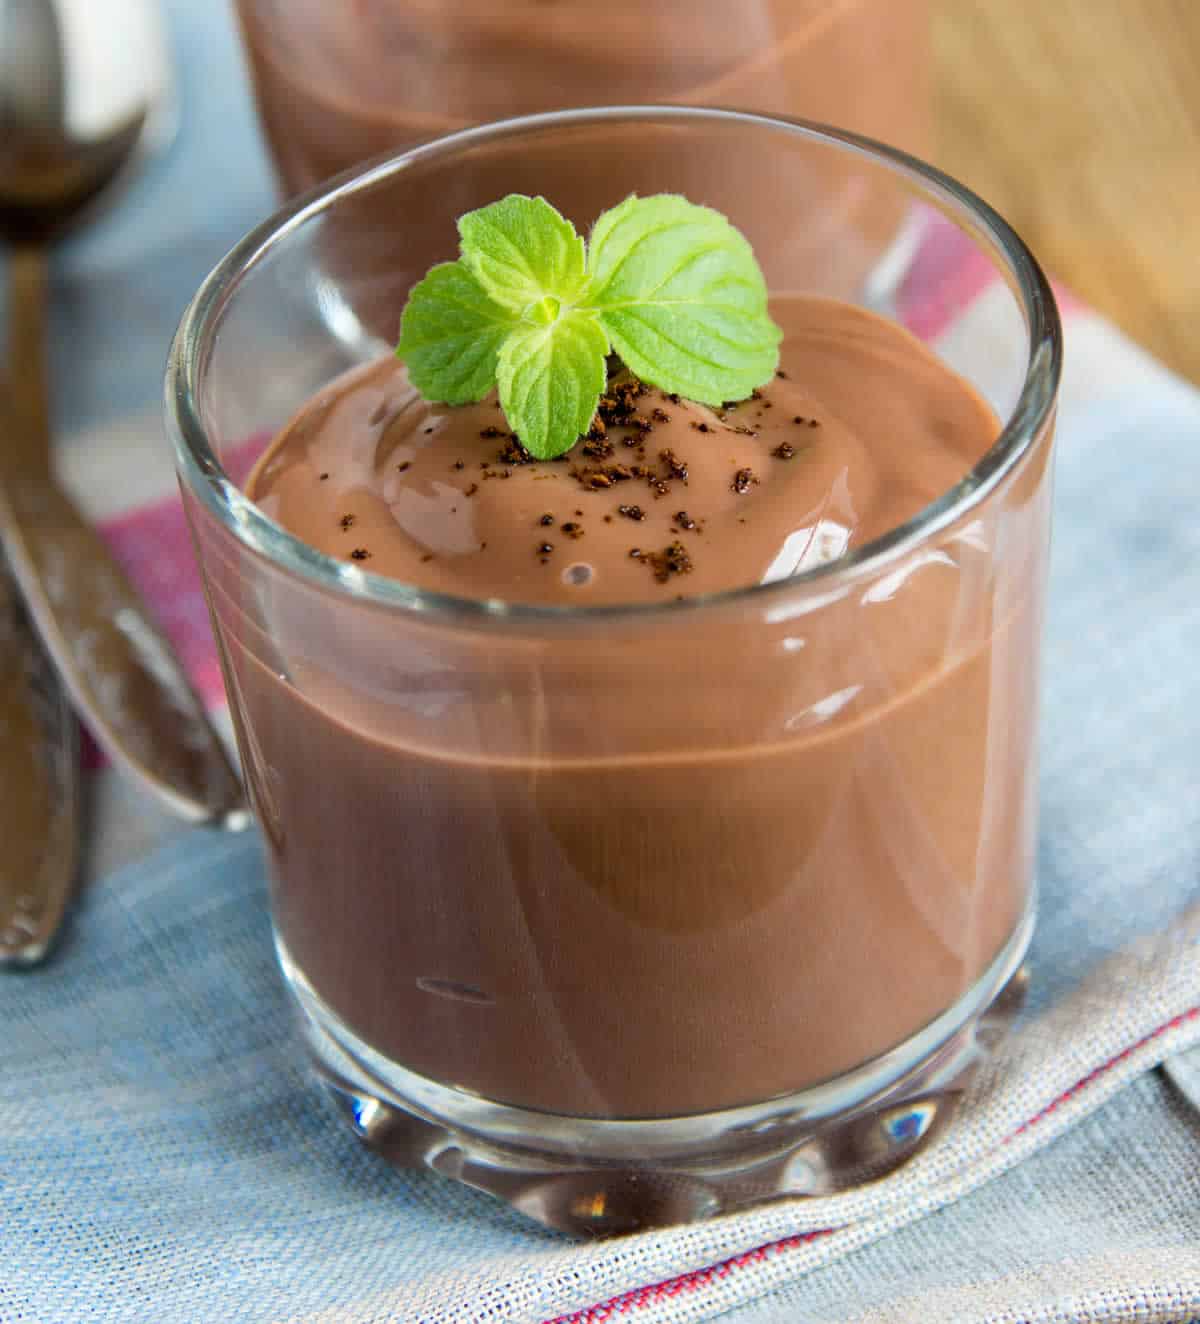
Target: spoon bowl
point(85, 92)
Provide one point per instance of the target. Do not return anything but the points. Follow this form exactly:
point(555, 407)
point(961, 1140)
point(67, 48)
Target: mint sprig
point(672, 287)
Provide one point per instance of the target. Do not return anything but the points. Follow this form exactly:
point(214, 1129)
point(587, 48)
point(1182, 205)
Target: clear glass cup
point(630, 915)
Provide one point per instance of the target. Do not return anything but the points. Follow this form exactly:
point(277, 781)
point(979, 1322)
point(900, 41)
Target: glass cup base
point(597, 1177)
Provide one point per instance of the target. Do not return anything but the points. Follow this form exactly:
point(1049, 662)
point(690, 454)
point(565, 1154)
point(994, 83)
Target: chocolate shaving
point(360, 554)
point(675, 467)
point(596, 477)
point(744, 480)
point(631, 512)
point(514, 453)
point(672, 560)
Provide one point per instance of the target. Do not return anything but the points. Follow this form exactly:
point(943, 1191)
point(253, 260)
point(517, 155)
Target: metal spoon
point(62, 145)
point(39, 797)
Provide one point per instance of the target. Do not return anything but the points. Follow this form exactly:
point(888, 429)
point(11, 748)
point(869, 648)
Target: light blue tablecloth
point(163, 1156)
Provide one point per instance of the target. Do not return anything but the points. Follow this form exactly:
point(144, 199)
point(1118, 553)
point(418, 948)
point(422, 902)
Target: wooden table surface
point(1079, 120)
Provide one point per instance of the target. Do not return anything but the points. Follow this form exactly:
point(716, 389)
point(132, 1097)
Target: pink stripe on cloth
point(154, 548)
point(642, 1298)
point(948, 274)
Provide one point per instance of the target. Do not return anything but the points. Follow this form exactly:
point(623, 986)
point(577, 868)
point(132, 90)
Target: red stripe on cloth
point(689, 1282)
point(643, 1297)
point(1081, 1085)
point(948, 274)
point(152, 545)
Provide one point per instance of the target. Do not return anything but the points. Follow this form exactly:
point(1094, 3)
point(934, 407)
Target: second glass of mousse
point(339, 83)
point(651, 828)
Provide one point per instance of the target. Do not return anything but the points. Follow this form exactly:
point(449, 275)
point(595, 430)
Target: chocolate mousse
point(638, 865)
point(812, 464)
point(337, 83)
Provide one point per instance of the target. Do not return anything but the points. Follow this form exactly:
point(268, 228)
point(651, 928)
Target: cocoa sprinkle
point(672, 560)
point(675, 467)
point(513, 452)
point(595, 477)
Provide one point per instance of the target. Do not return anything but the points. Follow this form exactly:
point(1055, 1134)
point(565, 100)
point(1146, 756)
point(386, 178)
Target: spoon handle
point(39, 792)
point(121, 673)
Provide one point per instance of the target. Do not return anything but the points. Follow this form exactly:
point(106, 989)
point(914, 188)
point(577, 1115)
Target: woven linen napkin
point(163, 1153)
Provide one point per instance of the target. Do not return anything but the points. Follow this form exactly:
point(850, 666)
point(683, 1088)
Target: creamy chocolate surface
point(664, 498)
point(657, 868)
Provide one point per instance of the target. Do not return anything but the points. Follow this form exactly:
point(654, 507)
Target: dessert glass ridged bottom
point(598, 1177)
point(636, 914)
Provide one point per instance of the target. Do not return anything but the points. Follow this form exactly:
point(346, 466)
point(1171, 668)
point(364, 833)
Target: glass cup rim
point(202, 472)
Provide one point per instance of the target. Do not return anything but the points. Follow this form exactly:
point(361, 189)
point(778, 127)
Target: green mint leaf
point(671, 286)
point(682, 298)
point(451, 332)
point(521, 250)
point(551, 375)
